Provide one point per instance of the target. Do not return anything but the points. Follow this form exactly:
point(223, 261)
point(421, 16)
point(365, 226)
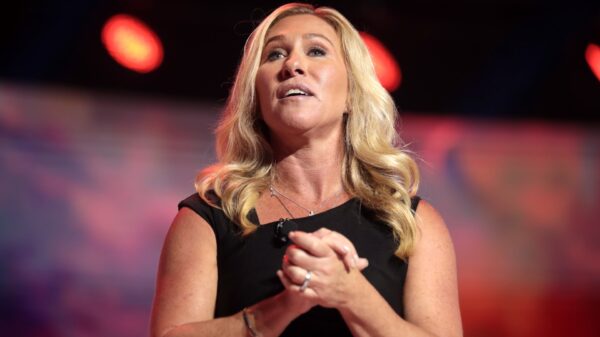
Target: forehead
point(303, 25)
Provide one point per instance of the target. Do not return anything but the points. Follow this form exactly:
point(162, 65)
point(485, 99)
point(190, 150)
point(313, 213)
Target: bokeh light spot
point(592, 56)
point(386, 67)
point(132, 43)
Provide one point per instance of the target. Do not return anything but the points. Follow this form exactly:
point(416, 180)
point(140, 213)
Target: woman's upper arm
point(186, 284)
point(431, 289)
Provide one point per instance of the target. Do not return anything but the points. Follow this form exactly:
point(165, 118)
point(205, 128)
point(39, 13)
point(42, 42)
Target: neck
point(309, 166)
point(313, 171)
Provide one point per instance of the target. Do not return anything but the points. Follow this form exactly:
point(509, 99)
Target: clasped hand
point(326, 262)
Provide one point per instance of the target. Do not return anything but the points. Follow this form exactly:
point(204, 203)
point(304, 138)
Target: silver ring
point(306, 281)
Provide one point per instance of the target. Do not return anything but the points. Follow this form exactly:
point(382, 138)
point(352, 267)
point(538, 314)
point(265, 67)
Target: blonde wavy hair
point(376, 169)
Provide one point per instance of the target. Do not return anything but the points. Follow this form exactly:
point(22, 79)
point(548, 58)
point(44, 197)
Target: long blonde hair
point(375, 169)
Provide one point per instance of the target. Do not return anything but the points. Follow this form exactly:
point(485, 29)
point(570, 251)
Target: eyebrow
point(305, 36)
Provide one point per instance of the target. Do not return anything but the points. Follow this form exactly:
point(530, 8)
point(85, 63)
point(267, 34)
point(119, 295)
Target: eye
point(275, 54)
point(317, 51)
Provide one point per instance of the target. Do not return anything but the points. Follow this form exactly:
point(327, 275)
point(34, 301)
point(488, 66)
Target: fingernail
point(345, 249)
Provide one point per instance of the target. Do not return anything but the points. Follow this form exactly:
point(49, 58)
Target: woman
point(308, 136)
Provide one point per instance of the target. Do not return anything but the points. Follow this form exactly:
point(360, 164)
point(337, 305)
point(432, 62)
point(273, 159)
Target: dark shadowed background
point(496, 99)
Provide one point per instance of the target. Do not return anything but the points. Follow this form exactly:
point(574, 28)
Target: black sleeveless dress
point(247, 265)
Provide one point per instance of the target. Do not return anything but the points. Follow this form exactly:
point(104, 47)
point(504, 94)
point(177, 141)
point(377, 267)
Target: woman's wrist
point(250, 322)
point(294, 304)
point(271, 316)
point(358, 291)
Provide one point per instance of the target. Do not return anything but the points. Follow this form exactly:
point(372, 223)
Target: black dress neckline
point(254, 216)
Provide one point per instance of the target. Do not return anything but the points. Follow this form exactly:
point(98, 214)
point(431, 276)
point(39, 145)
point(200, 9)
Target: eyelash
point(313, 51)
point(274, 55)
point(321, 51)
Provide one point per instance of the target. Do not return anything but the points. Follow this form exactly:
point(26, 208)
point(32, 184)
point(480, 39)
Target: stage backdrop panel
point(89, 184)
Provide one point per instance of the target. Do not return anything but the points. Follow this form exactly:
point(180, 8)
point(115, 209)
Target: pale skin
point(306, 136)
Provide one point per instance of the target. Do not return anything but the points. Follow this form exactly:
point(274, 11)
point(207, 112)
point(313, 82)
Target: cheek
point(336, 80)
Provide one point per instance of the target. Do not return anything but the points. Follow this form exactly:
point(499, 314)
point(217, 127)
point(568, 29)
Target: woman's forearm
point(269, 318)
point(367, 313)
point(229, 326)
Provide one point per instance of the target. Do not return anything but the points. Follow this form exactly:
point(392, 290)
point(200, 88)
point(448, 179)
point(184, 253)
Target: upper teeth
point(295, 91)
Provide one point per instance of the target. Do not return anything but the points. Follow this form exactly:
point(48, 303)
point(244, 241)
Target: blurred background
point(107, 111)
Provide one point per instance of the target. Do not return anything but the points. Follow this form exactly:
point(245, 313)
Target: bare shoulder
point(190, 240)
point(433, 244)
point(432, 227)
point(431, 288)
point(187, 274)
point(188, 226)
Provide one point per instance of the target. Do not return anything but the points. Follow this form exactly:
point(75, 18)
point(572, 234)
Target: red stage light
point(386, 67)
point(132, 43)
point(592, 56)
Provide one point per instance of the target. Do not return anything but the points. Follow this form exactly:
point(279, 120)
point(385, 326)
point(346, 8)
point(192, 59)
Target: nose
point(293, 66)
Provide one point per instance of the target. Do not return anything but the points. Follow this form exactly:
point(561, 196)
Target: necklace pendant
point(311, 213)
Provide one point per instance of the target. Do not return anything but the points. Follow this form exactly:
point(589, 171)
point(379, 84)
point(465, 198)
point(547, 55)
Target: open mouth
point(295, 92)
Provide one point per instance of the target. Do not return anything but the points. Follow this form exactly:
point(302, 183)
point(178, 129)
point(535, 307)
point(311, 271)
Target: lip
point(283, 88)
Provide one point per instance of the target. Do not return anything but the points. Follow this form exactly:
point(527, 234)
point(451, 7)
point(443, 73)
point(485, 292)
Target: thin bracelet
point(250, 323)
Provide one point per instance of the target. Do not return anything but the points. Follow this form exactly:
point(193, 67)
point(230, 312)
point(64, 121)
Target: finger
point(295, 274)
point(287, 284)
point(343, 247)
point(284, 279)
point(340, 241)
point(299, 257)
point(362, 263)
point(339, 246)
point(311, 244)
point(344, 254)
point(350, 261)
point(321, 232)
point(295, 255)
point(290, 250)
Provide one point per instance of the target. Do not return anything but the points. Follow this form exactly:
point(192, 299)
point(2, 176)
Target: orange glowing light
point(386, 67)
point(132, 43)
point(592, 56)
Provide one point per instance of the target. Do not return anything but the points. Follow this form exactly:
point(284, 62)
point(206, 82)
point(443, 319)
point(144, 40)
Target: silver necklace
point(275, 193)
